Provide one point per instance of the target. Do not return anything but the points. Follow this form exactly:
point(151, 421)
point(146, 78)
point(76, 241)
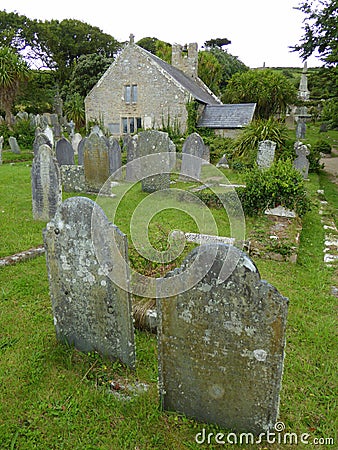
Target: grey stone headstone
point(191, 167)
point(130, 146)
point(155, 169)
point(64, 152)
point(1, 145)
point(301, 163)
point(76, 139)
point(90, 311)
point(266, 154)
point(300, 129)
point(14, 145)
point(40, 139)
point(49, 133)
point(115, 157)
point(46, 184)
point(223, 162)
point(221, 345)
point(80, 151)
point(96, 162)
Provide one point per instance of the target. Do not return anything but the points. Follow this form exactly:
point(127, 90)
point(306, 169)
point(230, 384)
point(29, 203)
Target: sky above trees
point(260, 32)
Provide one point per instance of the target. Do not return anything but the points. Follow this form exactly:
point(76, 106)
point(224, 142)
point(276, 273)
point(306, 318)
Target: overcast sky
point(260, 31)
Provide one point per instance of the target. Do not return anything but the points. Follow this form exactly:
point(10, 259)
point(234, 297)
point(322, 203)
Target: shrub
point(281, 184)
point(322, 146)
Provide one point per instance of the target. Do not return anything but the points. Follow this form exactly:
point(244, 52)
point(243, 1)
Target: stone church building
point(139, 90)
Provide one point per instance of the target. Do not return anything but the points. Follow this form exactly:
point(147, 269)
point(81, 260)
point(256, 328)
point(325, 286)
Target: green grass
point(53, 397)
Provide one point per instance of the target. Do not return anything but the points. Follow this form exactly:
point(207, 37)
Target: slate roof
point(196, 87)
point(227, 116)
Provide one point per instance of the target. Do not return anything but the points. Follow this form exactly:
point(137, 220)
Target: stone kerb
point(90, 311)
point(218, 340)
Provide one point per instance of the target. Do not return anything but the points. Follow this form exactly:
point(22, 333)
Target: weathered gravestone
point(221, 345)
point(64, 152)
point(14, 145)
point(73, 179)
point(130, 146)
point(1, 144)
point(300, 129)
point(193, 151)
point(46, 184)
point(115, 157)
point(76, 139)
point(266, 154)
point(41, 139)
point(155, 168)
point(90, 311)
point(96, 162)
point(80, 151)
point(301, 163)
point(49, 133)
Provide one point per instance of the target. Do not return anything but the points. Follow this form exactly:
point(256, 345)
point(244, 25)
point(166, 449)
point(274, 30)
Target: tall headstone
point(115, 157)
point(155, 145)
point(64, 152)
point(75, 142)
point(14, 145)
point(193, 151)
point(1, 144)
point(80, 151)
point(221, 345)
point(46, 184)
point(266, 154)
point(130, 146)
point(40, 139)
point(96, 162)
point(90, 311)
point(301, 163)
point(301, 128)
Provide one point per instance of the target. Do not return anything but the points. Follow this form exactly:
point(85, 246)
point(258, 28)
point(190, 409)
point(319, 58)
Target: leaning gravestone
point(46, 184)
point(193, 151)
point(40, 139)
point(96, 162)
point(266, 154)
point(64, 152)
point(115, 157)
point(90, 311)
point(221, 345)
point(14, 145)
point(301, 163)
point(156, 167)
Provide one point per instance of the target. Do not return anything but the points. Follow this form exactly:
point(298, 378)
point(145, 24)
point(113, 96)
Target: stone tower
point(185, 58)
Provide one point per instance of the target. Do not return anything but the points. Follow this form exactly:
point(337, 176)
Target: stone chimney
point(185, 58)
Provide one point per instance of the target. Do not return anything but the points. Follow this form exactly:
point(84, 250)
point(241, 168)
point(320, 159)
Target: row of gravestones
point(99, 158)
point(266, 155)
point(220, 343)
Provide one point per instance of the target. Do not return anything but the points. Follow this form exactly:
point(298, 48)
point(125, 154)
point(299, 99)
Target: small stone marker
point(14, 145)
point(46, 184)
point(96, 162)
point(90, 311)
point(266, 154)
point(155, 145)
point(221, 345)
point(192, 157)
point(301, 163)
point(64, 152)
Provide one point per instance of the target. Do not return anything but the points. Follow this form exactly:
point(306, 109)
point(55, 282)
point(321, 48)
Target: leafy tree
point(156, 47)
point(86, 73)
point(330, 113)
point(39, 92)
point(75, 110)
point(13, 72)
point(217, 43)
point(210, 71)
point(320, 30)
point(271, 90)
point(230, 65)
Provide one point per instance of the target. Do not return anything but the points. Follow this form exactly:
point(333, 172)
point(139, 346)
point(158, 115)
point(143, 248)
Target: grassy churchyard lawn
point(54, 397)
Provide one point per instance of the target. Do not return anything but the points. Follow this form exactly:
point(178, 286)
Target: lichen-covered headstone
point(266, 154)
point(40, 139)
point(301, 163)
point(14, 145)
point(46, 184)
point(64, 152)
point(193, 151)
point(221, 345)
point(49, 133)
point(96, 162)
point(130, 146)
point(90, 311)
point(73, 179)
point(115, 157)
point(155, 145)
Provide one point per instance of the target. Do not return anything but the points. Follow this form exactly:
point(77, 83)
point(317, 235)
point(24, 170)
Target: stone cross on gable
point(131, 38)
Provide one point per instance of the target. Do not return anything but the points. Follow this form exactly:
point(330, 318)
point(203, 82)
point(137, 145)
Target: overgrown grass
point(53, 397)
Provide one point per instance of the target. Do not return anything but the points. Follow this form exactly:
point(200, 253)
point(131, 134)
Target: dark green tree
point(271, 90)
point(320, 30)
point(217, 43)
